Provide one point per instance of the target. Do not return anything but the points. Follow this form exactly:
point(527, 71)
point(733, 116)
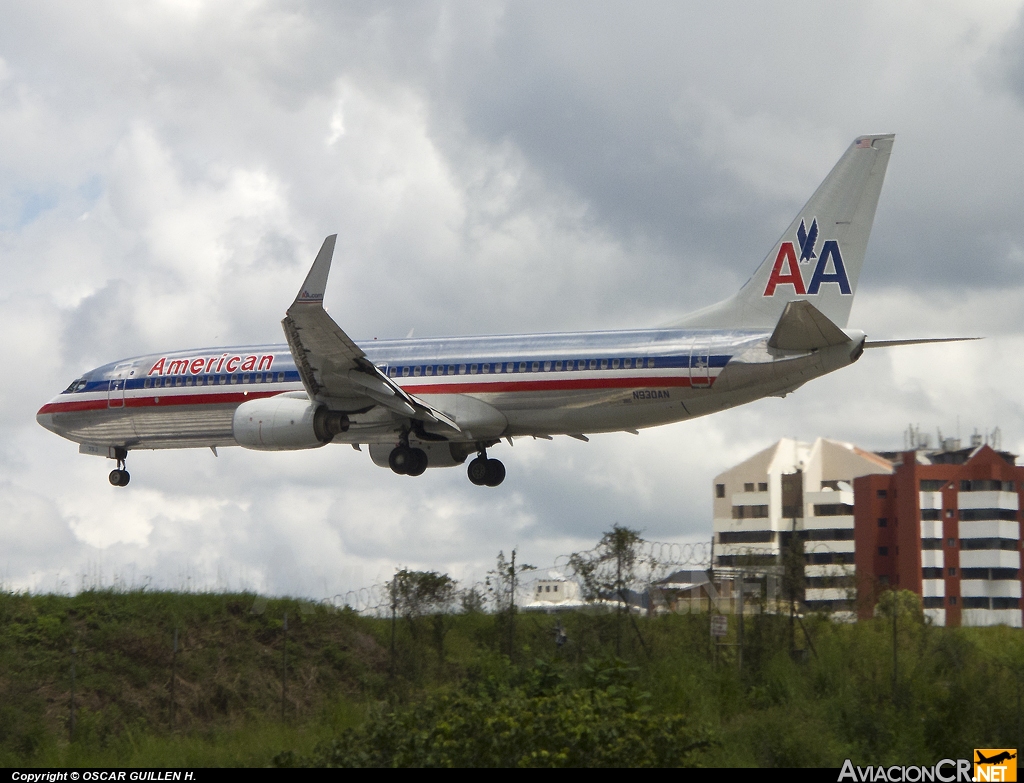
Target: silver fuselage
point(545, 384)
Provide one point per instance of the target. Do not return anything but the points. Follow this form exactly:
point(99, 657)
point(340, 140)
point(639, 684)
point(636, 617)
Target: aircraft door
point(115, 392)
point(700, 376)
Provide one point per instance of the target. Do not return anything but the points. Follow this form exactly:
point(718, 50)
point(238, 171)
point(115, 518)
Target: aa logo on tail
point(786, 270)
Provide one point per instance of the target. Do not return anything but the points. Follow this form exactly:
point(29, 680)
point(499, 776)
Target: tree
point(612, 570)
point(416, 594)
point(502, 584)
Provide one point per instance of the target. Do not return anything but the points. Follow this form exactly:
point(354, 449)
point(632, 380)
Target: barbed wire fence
point(653, 561)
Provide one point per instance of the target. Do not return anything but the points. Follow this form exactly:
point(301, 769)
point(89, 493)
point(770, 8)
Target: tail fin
point(820, 256)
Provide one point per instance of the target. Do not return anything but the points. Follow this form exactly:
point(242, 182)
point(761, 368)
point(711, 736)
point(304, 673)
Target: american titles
point(209, 364)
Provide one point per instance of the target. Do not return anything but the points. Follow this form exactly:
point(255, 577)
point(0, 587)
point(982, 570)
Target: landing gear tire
point(495, 472)
point(401, 460)
point(418, 463)
point(477, 471)
point(119, 477)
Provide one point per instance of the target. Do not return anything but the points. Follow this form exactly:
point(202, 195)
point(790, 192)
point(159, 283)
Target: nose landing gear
point(119, 477)
point(486, 472)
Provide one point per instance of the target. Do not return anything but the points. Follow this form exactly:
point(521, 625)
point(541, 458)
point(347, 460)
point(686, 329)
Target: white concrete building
point(802, 489)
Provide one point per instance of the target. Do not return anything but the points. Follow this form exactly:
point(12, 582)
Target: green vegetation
point(437, 685)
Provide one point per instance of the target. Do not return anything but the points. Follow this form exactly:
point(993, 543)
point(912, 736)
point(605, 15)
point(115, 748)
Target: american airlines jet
point(424, 403)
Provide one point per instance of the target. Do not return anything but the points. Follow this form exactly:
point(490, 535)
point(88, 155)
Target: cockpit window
point(76, 386)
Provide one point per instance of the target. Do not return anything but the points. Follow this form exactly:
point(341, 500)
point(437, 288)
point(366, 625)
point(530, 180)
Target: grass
point(956, 689)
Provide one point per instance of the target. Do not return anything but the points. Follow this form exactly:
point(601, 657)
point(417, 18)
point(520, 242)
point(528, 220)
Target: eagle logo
point(807, 239)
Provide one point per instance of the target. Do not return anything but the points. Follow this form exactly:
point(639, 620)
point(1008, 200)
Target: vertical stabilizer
point(820, 256)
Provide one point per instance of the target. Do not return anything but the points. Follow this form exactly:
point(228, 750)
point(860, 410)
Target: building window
point(883, 522)
point(986, 485)
point(750, 512)
point(952, 600)
point(930, 513)
point(931, 543)
point(749, 487)
point(950, 542)
point(883, 551)
point(719, 490)
point(952, 572)
point(931, 485)
point(883, 580)
point(931, 573)
point(949, 513)
point(762, 487)
point(933, 602)
point(833, 510)
point(882, 493)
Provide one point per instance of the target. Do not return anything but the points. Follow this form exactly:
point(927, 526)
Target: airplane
point(434, 402)
point(1004, 756)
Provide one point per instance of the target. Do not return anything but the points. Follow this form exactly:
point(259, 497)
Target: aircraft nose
point(45, 418)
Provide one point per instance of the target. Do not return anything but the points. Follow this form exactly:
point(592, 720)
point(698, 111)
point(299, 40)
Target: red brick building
point(946, 525)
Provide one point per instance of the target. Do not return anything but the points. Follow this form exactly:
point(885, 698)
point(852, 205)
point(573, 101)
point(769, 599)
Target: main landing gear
point(120, 477)
point(486, 472)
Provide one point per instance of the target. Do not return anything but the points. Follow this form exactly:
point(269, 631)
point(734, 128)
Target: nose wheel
point(486, 472)
point(119, 477)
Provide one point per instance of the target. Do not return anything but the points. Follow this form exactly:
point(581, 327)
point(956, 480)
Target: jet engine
point(285, 423)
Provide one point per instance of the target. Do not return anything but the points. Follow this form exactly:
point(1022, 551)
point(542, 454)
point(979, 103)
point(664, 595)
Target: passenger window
point(245, 378)
point(462, 369)
point(604, 364)
point(522, 366)
point(428, 370)
point(558, 366)
point(179, 381)
point(615, 364)
point(405, 372)
point(223, 380)
point(547, 366)
point(188, 381)
point(593, 364)
point(148, 383)
point(535, 367)
point(485, 368)
point(280, 377)
point(391, 372)
point(416, 370)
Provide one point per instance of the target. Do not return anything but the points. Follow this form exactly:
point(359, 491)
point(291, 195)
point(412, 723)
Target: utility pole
point(71, 723)
point(512, 610)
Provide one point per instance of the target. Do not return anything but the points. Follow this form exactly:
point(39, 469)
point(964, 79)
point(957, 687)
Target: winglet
point(312, 291)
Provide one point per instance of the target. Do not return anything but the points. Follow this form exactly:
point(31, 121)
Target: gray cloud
point(168, 171)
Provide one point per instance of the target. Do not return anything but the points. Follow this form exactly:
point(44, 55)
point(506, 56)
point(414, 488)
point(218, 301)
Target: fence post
point(71, 723)
point(174, 675)
point(284, 672)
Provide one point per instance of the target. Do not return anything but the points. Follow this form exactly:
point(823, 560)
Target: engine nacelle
point(439, 454)
point(285, 423)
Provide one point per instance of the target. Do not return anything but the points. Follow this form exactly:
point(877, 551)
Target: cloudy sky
point(169, 169)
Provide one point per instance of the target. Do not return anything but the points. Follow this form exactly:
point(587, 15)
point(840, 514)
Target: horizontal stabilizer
point(803, 327)
point(895, 343)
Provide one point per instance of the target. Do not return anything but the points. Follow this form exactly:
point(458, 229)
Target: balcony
point(1004, 500)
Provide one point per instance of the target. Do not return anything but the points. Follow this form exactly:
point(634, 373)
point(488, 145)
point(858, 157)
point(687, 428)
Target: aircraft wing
point(331, 365)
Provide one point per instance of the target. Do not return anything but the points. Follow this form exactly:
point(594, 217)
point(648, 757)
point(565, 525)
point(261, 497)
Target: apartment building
point(796, 489)
point(945, 524)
